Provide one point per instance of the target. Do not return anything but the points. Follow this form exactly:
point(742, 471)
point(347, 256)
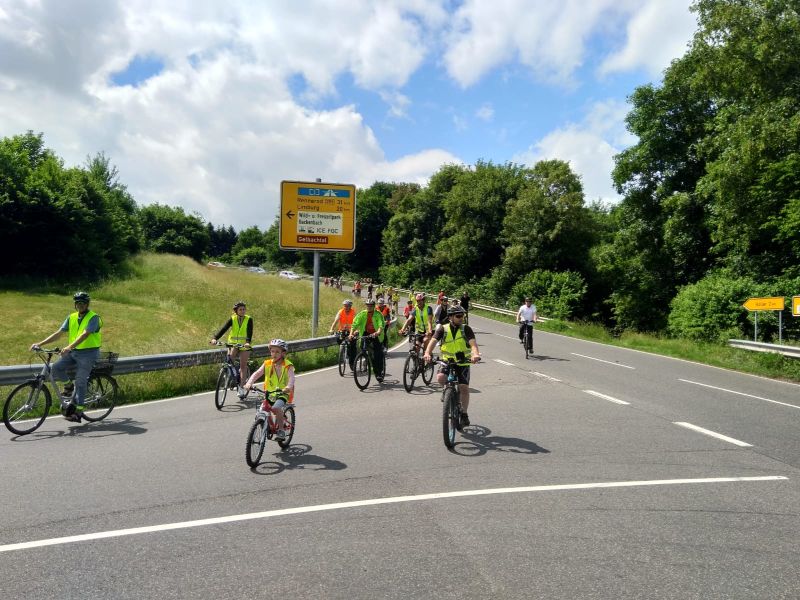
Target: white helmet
point(280, 344)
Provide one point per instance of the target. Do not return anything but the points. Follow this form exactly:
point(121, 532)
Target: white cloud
point(589, 147)
point(485, 113)
point(398, 103)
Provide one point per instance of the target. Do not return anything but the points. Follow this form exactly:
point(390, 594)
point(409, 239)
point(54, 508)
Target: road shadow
point(105, 428)
point(238, 405)
point(479, 441)
point(297, 456)
point(541, 357)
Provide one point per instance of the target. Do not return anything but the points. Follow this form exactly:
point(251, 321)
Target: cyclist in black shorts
point(458, 342)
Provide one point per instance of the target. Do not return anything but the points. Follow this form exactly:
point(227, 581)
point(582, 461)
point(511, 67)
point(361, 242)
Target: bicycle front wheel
point(256, 439)
point(525, 343)
point(409, 373)
point(101, 396)
point(342, 358)
point(427, 372)
point(288, 427)
point(362, 371)
point(223, 383)
point(450, 417)
point(26, 407)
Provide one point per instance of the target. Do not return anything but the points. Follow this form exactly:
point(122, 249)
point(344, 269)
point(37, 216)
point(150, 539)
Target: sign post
point(771, 303)
point(320, 217)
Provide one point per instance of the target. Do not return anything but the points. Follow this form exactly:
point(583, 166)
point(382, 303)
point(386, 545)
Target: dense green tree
point(170, 230)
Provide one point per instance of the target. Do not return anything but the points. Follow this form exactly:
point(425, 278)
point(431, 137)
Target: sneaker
point(242, 393)
point(464, 422)
point(280, 435)
point(74, 417)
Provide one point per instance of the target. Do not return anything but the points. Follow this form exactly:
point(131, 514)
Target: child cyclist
point(279, 377)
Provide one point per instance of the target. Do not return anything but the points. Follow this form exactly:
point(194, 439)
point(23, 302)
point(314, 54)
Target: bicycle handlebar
point(38, 348)
point(239, 346)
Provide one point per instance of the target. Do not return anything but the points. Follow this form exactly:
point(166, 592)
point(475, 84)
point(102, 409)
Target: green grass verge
point(764, 364)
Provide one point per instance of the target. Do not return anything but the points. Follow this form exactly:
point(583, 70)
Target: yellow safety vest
point(273, 381)
point(76, 329)
point(420, 320)
point(238, 334)
point(452, 345)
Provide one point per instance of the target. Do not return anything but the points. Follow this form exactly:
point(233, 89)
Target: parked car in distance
point(289, 275)
point(256, 270)
point(214, 263)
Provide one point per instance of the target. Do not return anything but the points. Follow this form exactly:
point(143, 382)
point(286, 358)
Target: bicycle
point(451, 404)
point(229, 377)
point(31, 401)
point(341, 338)
point(414, 365)
point(527, 338)
point(362, 365)
point(264, 429)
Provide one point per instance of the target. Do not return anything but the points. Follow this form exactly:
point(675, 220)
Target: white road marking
point(508, 337)
point(713, 434)
point(604, 397)
point(502, 362)
point(713, 387)
point(546, 376)
point(372, 502)
point(602, 361)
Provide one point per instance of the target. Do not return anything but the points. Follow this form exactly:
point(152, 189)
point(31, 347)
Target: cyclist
point(344, 319)
point(279, 377)
point(527, 312)
point(241, 326)
point(81, 352)
point(440, 312)
point(421, 319)
point(369, 322)
point(386, 313)
point(465, 305)
point(457, 339)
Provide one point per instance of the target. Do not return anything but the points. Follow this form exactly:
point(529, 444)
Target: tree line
point(710, 209)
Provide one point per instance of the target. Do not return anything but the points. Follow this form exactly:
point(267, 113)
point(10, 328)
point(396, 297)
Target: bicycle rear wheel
point(362, 370)
point(427, 372)
point(256, 439)
point(101, 396)
point(288, 427)
point(223, 384)
point(26, 407)
point(409, 373)
point(342, 358)
point(450, 417)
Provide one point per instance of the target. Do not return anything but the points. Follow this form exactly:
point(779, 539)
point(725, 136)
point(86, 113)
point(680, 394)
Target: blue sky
point(209, 106)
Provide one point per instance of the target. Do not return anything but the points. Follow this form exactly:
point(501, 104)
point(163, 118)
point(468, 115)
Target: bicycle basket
point(105, 362)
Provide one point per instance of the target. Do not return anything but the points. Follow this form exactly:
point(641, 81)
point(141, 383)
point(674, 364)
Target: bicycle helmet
point(280, 344)
point(347, 302)
point(81, 297)
point(420, 296)
point(239, 303)
point(369, 301)
point(455, 310)
point(381, 301)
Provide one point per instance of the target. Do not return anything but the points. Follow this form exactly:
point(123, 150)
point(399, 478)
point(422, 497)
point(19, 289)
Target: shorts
point(462, 373)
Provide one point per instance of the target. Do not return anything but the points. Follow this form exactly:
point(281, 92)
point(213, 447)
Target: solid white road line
point(713, 434)
point(602, 361)
point(502, 362)
point(713, 387)
point(373, 502)
point(604, 397)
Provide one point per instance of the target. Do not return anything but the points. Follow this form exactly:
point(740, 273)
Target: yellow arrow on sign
point(764, 304)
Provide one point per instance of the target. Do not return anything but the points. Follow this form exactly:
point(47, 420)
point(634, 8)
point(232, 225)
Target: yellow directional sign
point(764, 304)
point(318, 216)
point(796, 306)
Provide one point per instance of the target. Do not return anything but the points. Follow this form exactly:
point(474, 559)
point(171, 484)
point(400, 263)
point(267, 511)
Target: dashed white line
point(616, 364)
point(713, 434)
point(502, 362)
point(372, 502)
point(508, 337)
point(542, 375)
point(713, 387)
point(604, 397)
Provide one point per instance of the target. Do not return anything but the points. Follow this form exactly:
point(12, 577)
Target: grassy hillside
point(171, 304)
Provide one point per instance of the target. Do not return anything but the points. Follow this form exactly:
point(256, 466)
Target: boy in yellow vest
point(279, 376)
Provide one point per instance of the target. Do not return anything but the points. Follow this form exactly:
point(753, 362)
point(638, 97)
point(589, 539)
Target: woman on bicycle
point(80, 353)
point(369, 322)
point(279, 377)
point(241, 326)
point(458, 343)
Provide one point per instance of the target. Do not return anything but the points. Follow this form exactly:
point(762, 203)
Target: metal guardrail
point(791, 351)
point(160, 362)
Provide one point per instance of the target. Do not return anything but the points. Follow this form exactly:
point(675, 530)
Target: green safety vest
point(360, 321)
point(238, 334)
point(452, 345)
point(420, 319)
point(76, 329)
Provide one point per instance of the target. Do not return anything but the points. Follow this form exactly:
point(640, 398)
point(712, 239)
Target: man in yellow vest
point(279, 377)
point(369, 323)
point(81, 352)
point(241, 326)
point(458, 343)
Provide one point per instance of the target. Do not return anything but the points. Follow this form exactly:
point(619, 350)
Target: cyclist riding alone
point(241, 326)
point(279, 377)
point(81, 352)
point(458, 340)
point(369, 323)
point(386, 313)
point(421, 319)
point(526, 312)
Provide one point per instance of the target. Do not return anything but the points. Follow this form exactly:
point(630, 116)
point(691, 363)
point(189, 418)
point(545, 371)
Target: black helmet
point(81, 297)
point(238, 304)
point(455, 310)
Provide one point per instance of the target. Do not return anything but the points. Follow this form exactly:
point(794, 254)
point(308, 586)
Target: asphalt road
point(584, 475)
